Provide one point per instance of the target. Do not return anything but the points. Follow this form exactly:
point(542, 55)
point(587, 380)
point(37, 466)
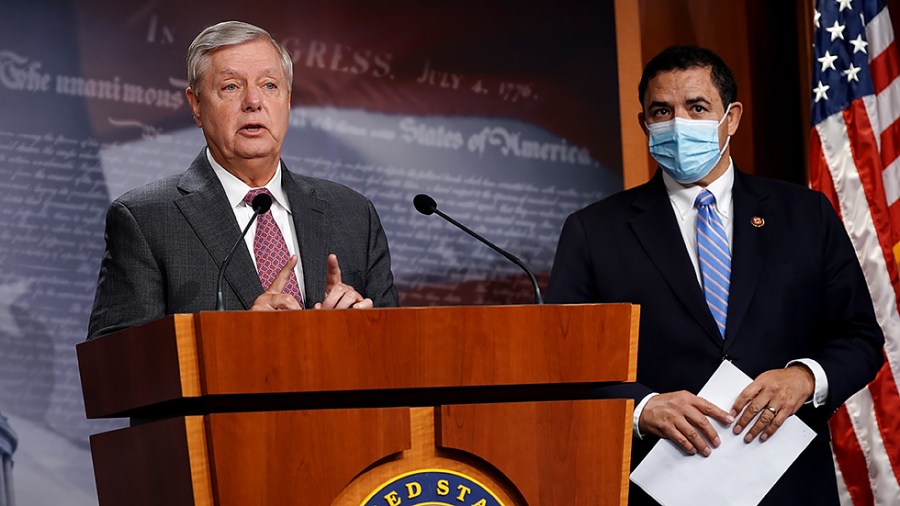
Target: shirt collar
point(236, 190)
point(683, 197)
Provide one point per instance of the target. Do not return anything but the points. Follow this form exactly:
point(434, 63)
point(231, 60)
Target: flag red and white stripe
point(855, 161)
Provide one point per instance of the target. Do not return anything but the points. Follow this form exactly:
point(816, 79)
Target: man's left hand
point(337, 294)
point(774, 396)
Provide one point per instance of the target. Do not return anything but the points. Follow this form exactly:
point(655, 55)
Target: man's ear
point(734, 117)
point(640, 118)
point(194, 102)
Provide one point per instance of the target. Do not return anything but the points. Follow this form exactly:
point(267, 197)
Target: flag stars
point(827, 61)
point(816, 17)
point(859, 45)
point(844, 4)
point(851, 74)
point(821, 91)
point(836, 31)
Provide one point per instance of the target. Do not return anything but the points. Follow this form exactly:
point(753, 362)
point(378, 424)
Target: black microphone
point(261, 203)
point(427, 206)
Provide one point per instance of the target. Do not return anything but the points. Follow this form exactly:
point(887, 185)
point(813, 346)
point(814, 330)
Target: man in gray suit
point(165, 242)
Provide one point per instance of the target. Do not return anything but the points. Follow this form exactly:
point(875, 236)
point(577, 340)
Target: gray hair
point(229, 33)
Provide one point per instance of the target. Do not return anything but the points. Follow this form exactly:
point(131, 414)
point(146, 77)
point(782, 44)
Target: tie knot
point(253, 193)
point(705, 198)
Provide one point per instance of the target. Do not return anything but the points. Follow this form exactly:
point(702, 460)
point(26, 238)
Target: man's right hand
point(681, 417)
point(272, 299)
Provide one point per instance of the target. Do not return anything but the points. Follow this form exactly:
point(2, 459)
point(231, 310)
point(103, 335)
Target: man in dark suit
point(725, 266)
point(166, 241)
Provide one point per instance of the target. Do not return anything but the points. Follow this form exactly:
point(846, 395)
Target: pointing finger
point(284, 275)
point(333, 276)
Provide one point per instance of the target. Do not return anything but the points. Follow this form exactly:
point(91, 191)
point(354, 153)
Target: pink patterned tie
point(270, 249)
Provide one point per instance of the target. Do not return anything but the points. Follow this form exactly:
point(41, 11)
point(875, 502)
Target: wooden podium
point(381, 407)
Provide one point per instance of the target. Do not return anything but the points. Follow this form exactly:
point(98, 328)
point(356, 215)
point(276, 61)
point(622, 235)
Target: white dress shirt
point(236, 190)
point(682, 199)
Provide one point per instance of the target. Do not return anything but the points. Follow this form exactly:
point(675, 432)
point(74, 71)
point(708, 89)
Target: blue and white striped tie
point(714, 256)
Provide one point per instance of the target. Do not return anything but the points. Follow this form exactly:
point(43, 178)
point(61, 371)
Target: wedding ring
point(773, 410)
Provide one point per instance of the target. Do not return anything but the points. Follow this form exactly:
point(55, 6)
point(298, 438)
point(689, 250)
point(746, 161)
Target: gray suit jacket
point(165, 243)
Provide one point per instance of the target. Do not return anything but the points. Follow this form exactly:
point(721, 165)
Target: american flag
point(855, 161)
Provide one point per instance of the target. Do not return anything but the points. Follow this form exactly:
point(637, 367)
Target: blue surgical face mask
point(687, 149)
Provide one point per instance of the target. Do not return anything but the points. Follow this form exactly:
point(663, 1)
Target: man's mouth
point(252, 127)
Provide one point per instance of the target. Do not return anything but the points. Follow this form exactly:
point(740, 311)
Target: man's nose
point(252, 99)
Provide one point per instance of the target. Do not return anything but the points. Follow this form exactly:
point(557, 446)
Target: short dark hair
point(689, 57)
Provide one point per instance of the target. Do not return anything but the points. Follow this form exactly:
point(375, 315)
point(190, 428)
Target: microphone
point(427, 206)
point(260, 204)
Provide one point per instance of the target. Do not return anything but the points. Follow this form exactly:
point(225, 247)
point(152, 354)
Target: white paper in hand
point(735, 473)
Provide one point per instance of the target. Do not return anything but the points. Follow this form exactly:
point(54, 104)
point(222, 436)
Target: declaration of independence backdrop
point(505, 112)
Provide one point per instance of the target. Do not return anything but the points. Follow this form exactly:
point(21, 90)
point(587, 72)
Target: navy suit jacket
point(797, 291)
point(165, 243)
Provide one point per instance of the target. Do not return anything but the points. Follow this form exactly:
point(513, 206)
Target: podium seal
point(432, 487)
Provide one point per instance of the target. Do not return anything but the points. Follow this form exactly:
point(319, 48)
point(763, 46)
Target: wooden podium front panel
point(567, 452)
point(573, 453)
point(295, 351)
point(299, 457)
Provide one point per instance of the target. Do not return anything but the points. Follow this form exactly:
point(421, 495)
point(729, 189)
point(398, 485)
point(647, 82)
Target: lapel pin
point(757, 221)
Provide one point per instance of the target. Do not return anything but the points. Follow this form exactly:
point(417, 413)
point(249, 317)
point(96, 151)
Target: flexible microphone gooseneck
point(260, 204)
point(427, 206)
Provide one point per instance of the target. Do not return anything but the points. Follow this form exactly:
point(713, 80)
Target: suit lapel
point(657, 230)
point(747, 255)
point(205, 207)
point(308, 212)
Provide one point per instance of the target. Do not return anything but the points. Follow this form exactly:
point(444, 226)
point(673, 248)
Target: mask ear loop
point(728, 139)
point(722, 151)
point(724, 115)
